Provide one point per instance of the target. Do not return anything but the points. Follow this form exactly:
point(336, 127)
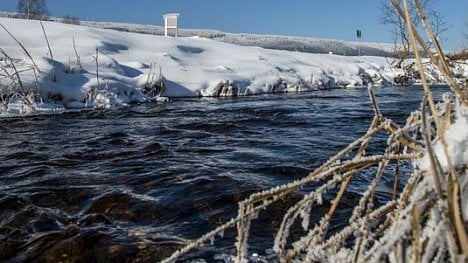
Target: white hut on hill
point(171, 24)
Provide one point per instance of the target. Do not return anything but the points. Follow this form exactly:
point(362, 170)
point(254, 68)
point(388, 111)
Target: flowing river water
point(132, 184)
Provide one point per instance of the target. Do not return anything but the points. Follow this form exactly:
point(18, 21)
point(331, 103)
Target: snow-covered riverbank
point(64, 175)
point(104, 68)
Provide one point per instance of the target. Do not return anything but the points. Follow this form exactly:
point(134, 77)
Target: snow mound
point(102, 68)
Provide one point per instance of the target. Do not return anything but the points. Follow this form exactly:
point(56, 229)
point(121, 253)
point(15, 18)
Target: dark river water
point(131, 184)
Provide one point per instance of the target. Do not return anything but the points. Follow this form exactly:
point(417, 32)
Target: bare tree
point(439, 24)
point(33, 9)
point(398, 29)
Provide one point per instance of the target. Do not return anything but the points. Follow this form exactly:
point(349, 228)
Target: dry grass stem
point(463, 97)
point(47, 40)
point(416, 235)
point(77, 57)
point(96, 60)
point(442, 63)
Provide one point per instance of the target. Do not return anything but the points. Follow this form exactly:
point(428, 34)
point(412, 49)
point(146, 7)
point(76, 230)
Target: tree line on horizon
point(33, 9)
point(37, 10)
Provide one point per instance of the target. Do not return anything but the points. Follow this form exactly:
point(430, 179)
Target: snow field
point(94, 67)
point(190, 66)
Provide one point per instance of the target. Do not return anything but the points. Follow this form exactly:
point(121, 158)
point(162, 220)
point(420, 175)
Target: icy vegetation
point(424, 222)
point(54, 66)
point(59, 66)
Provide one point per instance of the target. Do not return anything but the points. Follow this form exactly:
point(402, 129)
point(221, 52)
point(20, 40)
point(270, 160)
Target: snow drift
point(93, 67)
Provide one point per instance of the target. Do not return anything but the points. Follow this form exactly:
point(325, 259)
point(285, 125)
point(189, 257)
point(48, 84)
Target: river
point(131, 184)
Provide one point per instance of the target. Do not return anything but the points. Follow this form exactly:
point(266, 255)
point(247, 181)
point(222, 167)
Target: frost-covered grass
point(425, 222)
point(418, 224)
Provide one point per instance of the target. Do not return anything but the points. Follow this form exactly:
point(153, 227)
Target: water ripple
point(133, 184)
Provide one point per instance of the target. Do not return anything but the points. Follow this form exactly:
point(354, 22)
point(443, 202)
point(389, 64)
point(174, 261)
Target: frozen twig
point(77, 57)
point(47, 40)
point(96, 60)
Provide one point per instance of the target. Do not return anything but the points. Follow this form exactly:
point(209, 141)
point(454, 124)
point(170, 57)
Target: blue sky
point(337, 19)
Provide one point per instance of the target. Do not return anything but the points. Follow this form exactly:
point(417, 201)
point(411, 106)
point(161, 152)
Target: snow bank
point(111, 68)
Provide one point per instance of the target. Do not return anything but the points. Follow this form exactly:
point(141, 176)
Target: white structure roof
point(171, 15)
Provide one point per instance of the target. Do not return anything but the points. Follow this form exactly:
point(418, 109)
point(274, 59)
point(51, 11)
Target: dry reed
point(47, 40)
